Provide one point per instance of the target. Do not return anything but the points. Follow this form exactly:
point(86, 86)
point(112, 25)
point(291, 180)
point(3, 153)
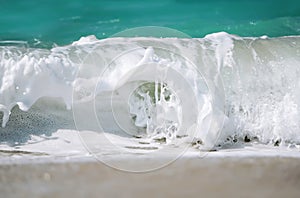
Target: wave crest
point(248, 89)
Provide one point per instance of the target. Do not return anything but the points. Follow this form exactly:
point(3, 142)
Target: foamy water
point(213, 92)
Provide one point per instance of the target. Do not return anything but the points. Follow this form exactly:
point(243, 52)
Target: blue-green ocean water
point(64, 21)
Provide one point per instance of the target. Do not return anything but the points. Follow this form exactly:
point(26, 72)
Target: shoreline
point(208, 177)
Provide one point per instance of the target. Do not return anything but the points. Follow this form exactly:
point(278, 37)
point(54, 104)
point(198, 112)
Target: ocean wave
point(218, 90)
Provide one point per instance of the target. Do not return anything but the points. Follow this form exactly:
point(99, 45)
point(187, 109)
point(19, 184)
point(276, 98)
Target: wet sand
point(186, 177)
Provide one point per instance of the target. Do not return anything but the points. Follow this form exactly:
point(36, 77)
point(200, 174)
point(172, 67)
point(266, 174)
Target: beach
point(191, 177)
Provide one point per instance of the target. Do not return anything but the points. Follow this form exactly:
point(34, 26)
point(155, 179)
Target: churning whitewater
point(218, 90)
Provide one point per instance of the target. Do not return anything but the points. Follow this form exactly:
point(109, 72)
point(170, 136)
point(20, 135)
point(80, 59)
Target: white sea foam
point(221, 88)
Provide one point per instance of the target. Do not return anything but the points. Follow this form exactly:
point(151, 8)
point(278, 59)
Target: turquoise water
point(63, 21)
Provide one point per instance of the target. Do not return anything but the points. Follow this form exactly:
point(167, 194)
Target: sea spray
point(244, 89)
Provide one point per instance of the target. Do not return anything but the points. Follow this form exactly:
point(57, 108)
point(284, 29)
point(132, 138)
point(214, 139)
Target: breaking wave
point(217, 90)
